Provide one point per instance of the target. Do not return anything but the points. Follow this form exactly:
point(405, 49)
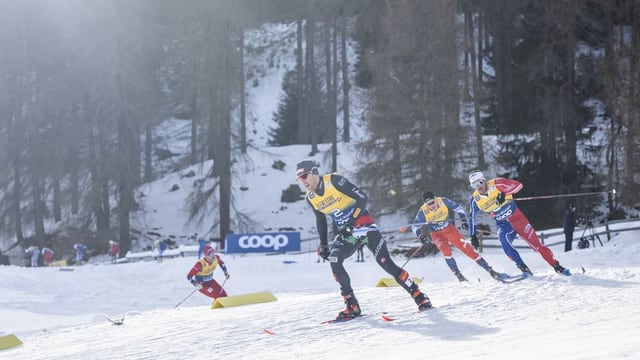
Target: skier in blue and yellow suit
point(345, 203)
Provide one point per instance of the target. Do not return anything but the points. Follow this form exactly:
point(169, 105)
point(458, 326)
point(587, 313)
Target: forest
point(83, 84)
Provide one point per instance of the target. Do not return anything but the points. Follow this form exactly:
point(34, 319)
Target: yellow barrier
point(62, 262)
point(244, 299)
point(389, 282)
point(9, 341)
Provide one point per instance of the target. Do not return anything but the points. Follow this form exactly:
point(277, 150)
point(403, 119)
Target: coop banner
point(262, 242)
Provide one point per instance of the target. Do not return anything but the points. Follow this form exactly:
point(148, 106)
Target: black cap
point(306, 166)
point(428, 195)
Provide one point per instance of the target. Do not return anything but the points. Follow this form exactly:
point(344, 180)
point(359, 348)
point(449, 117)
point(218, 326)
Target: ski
point(340, 320)
point(507, 279)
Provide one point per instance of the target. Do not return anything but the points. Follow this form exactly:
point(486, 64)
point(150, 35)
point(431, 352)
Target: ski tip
point(269, 332)
point(387, 318)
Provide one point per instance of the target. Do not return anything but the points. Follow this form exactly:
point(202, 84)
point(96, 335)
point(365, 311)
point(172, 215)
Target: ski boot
point(496, 275)
point(560, 269)
point(460, 277)
point(421, 300)
point(525, 269)
point(352, 308)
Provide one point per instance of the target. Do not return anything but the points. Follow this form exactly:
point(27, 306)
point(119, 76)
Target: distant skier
point(201, 244)
point(47, 256)
point(201, 274)
point(435, 212)
point(495, 197)
point(34, 254)
point(80, 252)
point(114, 251)
point(360, 253)
point(161, 246)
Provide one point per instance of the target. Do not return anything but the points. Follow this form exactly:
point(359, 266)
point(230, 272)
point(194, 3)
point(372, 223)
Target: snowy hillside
point(63, 314)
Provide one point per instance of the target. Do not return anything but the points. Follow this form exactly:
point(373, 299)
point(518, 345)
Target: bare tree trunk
point(312, 94)
point(346, 134)
point(194, 130)
point(148, 151)
point(476, 78)
point(300, 85)
point(243, 110)
point(224, 140)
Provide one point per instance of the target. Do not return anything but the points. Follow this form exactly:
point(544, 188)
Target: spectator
point(161, 246)
point(114, 251)
point(202, 243)
point(360, 253)
point(34, 254)
point(569, 226)
point(47, 256)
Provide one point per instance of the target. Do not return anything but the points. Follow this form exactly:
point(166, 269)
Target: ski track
point(545, 316)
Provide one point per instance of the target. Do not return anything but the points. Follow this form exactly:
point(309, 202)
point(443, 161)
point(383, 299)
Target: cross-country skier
point(495, 197)
point(435, 212)
point(345, 203)
point(201, 274)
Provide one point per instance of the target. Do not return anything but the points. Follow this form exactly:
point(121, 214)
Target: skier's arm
point(508, 186)
point(473, 216)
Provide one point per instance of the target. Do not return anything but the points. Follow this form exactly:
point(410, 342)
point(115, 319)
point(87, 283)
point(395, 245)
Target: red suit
point(202, 274)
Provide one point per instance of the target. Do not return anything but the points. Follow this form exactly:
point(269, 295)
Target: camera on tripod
point(590, 233)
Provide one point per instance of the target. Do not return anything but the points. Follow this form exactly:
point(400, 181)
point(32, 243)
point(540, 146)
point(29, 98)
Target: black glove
point(424, 239)
point(323, 251)
point(346, 230)
point(500, 198)
point(475, 242)
point(226, 275)
point(464, 225)
point(195, 283)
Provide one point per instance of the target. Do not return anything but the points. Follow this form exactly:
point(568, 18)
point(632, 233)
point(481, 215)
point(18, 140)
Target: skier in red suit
point(495, 197)
point(201, 274)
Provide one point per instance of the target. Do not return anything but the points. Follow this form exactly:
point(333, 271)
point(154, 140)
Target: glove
point(464, 225)
point(346, 230)
point(424, 239)
point(226, 275)
point(323, 251)
point(475, 242)
point(195, 283)
point(500, 198)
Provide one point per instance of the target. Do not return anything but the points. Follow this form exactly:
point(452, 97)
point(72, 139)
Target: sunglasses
point(303, 176)
point(477, 184)
point(430, 203)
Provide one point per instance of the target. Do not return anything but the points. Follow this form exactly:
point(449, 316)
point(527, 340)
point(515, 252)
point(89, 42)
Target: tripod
point(592, 235)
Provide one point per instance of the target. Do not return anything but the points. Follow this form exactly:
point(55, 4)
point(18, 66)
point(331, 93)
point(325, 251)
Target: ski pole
point(411, 256)
point(186, 297)
point(222, 286)
point(564, 195)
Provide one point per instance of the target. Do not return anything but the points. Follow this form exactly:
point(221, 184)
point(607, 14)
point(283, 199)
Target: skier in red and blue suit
point(495, 197)
point(201, 274)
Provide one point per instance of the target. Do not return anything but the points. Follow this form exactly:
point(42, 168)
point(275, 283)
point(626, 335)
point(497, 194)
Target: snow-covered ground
point(595, 315)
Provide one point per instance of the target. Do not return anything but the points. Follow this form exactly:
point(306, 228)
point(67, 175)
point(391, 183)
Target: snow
point(64, 314)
